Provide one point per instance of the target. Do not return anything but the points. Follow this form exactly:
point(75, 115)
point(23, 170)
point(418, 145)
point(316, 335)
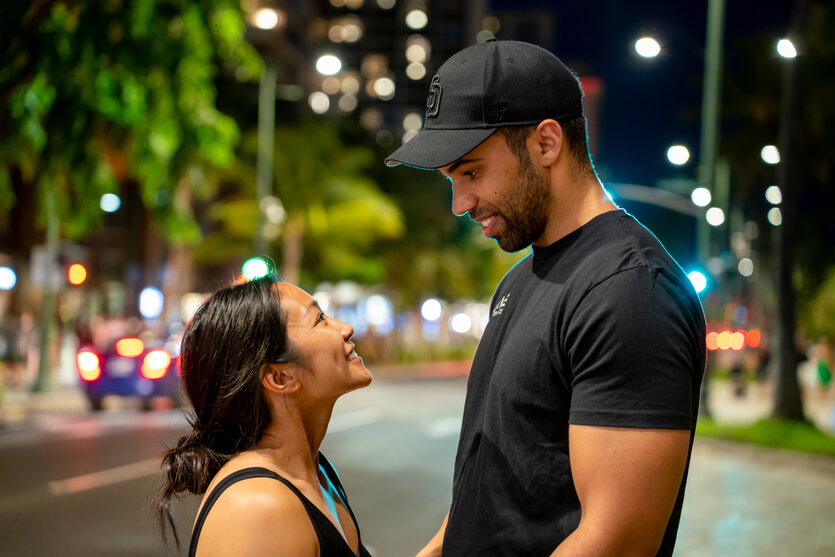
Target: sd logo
point(433, 102)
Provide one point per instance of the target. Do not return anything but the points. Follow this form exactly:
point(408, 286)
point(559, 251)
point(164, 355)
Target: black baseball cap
point(482, 88)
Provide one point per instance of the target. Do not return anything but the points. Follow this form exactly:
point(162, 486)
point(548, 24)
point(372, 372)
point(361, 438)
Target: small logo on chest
point(500, 306)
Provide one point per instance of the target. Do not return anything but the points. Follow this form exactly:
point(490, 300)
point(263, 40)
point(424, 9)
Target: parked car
point(130, 366)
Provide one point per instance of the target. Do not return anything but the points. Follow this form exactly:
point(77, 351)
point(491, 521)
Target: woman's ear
point(281, 379)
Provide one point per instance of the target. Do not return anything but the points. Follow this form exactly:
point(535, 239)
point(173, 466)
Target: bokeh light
point(678, 155)
point(8, 278)
point(254, 268)
point(715, 216)
point(775, 216)
point(647, 47)
point(110, 203)
point(328, 64)
point(416, 19)
point(701, 197)
point(76, 274)
point(786, 49)
point(746, 267)
point(431, 309)
point(151, 302)
point(773, 195)
point(770, 154)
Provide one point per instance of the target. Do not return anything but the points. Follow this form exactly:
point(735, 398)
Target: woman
point(263, 367)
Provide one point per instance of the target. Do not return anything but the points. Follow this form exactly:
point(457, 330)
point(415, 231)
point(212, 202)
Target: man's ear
point(281, 379)
point(548, 142)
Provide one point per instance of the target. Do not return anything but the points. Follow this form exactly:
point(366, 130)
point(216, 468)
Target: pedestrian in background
point(583, 394)
point(263, 367)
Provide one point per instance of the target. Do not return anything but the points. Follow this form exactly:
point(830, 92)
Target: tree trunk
point(291, 249)
point(787, 401)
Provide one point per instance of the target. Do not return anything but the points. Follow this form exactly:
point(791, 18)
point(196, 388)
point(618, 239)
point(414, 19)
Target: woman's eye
point(321, 317)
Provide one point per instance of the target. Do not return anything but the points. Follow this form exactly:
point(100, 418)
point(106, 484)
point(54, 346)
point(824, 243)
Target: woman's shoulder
point(245, 515)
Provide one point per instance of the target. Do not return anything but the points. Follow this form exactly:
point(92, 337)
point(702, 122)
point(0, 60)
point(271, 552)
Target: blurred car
point(130, 366)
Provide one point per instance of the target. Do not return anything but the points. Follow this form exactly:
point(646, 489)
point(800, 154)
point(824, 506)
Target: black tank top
point(331, 542)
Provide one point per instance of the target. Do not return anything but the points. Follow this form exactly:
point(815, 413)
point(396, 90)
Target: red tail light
point(155, 365)
point(88, 365)
point(129, 347)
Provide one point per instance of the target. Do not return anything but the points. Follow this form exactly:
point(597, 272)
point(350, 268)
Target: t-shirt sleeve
point(633, 347)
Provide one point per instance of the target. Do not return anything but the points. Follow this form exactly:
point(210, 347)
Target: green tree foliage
point(335, 213)
point(94, 93)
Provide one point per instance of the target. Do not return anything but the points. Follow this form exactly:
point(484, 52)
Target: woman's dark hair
point(225, 350)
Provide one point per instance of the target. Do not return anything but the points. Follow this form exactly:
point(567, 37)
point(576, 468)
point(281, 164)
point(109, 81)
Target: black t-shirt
point(600, 328)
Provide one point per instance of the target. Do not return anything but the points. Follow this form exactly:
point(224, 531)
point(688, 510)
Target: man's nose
point(462, 200)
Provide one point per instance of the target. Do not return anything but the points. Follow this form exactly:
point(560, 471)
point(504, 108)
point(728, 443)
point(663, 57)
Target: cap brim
point(437, 148)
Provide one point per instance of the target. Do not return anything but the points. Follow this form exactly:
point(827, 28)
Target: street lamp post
point(709, 144)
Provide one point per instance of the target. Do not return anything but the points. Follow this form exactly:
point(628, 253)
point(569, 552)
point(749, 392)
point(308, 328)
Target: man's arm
point(627, 481)
point(433, 548)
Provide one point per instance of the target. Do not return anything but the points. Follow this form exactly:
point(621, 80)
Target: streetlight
point(328, 64)
point(678, 155)
point(647, 47)
point(770, 154)
point(786, 49)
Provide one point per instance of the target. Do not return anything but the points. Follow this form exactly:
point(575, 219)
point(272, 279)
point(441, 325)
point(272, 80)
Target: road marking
point(151, 466)
point(443, 427)
point(105, 477)
point(357, 418)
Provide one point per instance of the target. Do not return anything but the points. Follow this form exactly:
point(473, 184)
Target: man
point(583, 394)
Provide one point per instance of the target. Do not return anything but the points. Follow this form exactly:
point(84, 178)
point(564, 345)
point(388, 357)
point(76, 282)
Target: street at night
point(81, 485)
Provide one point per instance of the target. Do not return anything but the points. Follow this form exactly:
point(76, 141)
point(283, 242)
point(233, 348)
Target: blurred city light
point(151, 302)
point(715, 216)
point(254, 268)
point(76, 274)
point(412, 121)
point(491, 23)
point(319, 102)
point(431, 309)
point(328, 64)
point(460, 323)
point(384, 88)
point(770, 154)
point(350, 85)
point(746, 267)
point(130, 347)
point(8, 278)
point(484, 35)
point(647, 47)
point(110, 203)
point(701, 197)
point(775, 216)
point(88, 365)
point(698, 280)
point(386, 4)
point(378, 311)
point(331, 85)
point(155, 364)
point(416, 19)
point(266, 18)
point(733, 340)
point(678, 155)
point(416, 52)
point(415, 71)
point(786, 49)
point(773, 195)
point(347, 103)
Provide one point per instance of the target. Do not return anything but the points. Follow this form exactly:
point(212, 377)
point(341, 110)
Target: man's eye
point(470, 173)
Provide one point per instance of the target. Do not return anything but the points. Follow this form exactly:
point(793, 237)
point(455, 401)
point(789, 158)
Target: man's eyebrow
point(459, 162)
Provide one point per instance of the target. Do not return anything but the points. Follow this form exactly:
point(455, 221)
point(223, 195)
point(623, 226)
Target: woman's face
point(330, 365)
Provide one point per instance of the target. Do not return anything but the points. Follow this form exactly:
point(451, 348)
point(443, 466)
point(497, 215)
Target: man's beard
point(524, 208)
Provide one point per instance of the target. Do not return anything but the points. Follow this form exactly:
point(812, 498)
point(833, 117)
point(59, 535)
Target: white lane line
point(357, 418)
point(443, 427)
point(105, 477)
point(151, 466)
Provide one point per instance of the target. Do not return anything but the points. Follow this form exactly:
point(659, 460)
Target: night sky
point(648, 104)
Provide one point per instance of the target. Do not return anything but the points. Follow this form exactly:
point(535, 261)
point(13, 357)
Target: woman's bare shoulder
point(258, 516)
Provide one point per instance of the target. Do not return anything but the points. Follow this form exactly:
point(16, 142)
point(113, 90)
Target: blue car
point(129, 367)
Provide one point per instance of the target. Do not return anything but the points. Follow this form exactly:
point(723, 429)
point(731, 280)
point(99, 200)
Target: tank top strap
point(237, 476)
